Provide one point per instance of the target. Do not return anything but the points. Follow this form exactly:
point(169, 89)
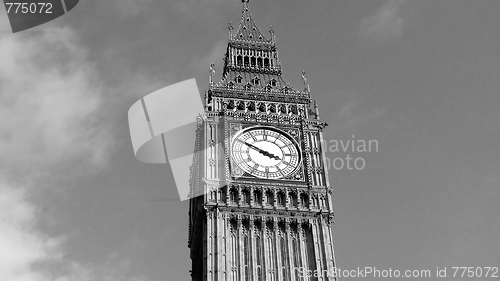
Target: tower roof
point(248, 30)
point(252, 65)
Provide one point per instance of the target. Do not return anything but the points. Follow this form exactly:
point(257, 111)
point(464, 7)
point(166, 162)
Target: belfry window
point(266, 62)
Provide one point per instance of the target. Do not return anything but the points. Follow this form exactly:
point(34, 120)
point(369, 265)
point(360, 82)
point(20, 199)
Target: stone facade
point(247, 225)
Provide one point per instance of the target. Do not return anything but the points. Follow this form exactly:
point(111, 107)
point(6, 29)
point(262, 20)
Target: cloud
point(129, 8)
point(28, 255)
point(351, 114)
point(51, 104)
point(387, 23)
point(202, 8)
point(20, 243)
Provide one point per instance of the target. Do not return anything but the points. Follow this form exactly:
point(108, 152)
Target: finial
point(306, 86)
point(212, 72)
point(316, 110)
point(245, 4)
point(271, 30)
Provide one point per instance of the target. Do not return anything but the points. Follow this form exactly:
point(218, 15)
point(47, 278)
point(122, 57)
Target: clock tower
point(261, 206)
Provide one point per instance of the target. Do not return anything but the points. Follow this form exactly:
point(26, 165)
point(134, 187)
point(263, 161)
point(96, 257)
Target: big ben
point(261, 203)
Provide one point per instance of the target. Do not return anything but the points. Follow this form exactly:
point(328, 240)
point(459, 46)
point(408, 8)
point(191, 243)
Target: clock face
point(265, 152)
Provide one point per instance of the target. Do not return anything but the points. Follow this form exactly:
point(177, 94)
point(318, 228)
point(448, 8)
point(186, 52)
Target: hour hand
point(270, 155)
point(263, 152)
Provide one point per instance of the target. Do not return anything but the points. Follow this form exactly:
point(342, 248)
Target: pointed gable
point(248, 30)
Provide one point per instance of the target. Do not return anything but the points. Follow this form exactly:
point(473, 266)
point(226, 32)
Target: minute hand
point(263, 152)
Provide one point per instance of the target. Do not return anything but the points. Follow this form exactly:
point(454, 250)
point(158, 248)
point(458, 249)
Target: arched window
point(281, 199)
point(304, 202)
point(266, 62)
point(282, 108)
point(256, 81)
point(247, 61)
point(252, 60)
point(257, 197)
point(262, 107)
point(293, 200)
point(270, 198)
point(233, 196)
point(246, 197)
point(272, 108)
point(241, 105)
point(223, 194)
point(259, 62)
point(239, 60)
point(246, 251)
point(251, 106)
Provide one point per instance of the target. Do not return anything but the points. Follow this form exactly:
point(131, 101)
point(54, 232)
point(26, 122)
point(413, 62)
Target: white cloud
point(50, 103)
point(387, 23)
point(23, 248)
point(20, 243)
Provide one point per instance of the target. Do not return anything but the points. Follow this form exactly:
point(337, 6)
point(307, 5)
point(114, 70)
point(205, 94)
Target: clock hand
point(263, 152)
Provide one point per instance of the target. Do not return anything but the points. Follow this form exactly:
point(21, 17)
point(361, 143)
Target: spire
point(306, 86)
point(271, 31)
point(230, 27)
point(248, 30)
point(212, 72)
point(316, 110)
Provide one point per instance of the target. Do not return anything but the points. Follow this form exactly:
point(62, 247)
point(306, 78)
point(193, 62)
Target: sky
point(419, 77)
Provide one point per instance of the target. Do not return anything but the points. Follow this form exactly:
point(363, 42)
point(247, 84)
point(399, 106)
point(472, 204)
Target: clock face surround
point(265, 152)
